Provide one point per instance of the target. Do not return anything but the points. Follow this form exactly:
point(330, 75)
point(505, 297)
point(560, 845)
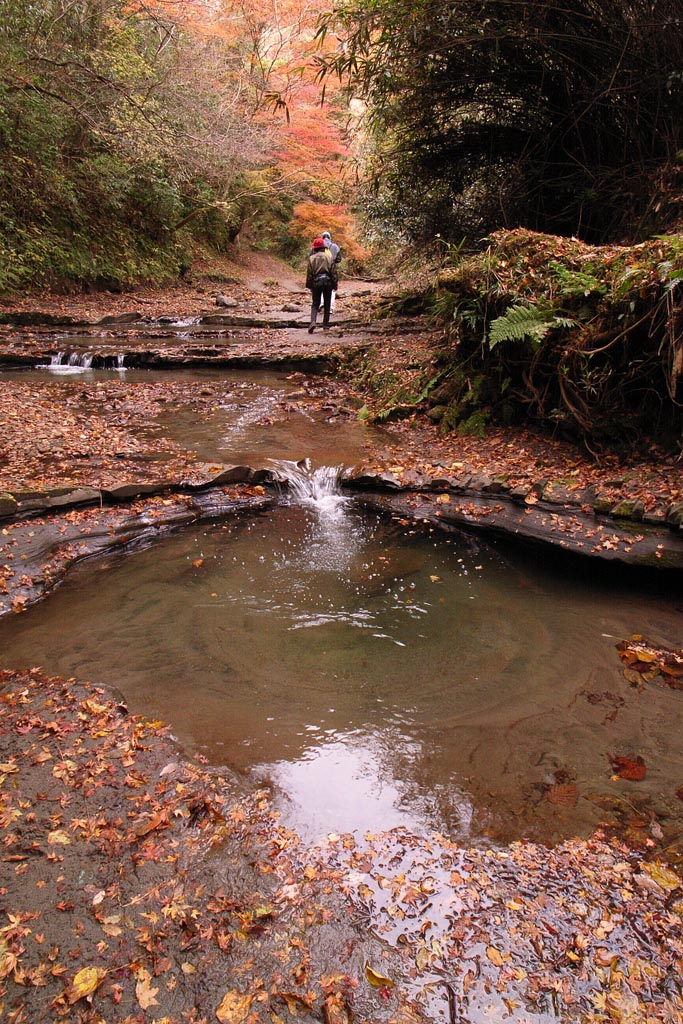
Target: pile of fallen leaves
point(644, 662)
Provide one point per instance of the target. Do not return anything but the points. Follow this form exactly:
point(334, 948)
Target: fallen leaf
point(494, 955)
point(234, 1007)
point(378, 980)
point(144, 992)
point(631, 768)
point(84, 983)
point(564, 794)
point(663, 876)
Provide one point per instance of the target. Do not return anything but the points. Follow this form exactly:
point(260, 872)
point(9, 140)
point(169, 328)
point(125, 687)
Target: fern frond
point(521, 322)
point(565, 321)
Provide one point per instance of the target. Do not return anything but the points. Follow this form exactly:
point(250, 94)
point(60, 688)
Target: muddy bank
point(138, 886)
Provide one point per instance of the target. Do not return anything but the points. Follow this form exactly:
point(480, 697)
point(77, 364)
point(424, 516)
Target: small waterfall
point(73, 362)
point(82, 359)
point(318, 488)
point(68, 362)
point(334, 535)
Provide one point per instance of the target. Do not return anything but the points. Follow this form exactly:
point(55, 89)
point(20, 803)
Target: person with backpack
point(321, 280)
point(336, 256)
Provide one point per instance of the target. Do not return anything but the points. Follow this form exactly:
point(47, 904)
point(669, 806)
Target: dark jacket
point(321, 261)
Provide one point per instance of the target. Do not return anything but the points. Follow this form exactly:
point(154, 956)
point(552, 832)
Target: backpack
point(322, 279)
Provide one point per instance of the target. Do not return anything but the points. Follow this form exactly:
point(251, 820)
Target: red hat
point(318, 243)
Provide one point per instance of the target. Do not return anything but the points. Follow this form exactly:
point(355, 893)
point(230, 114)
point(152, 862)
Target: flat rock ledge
point(36, 553)
point(20, 503)
point(623, 534)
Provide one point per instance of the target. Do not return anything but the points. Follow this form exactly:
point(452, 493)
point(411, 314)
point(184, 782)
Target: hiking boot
point(311, 328)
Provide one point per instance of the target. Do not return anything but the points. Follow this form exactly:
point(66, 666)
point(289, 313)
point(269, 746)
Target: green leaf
point(520, 322)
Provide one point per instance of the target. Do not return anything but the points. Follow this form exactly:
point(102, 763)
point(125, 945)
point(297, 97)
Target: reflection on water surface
point(379, 677)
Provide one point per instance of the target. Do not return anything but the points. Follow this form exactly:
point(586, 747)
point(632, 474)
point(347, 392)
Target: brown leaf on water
point(494, 955)
point(663, 875)
point(564, 794)
point(651, 660)
point(631, 768)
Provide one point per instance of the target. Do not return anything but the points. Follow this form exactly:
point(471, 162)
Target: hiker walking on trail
point(321, 279)
point(336, 256)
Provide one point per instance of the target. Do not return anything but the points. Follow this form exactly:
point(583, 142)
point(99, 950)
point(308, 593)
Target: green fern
point(521, 322)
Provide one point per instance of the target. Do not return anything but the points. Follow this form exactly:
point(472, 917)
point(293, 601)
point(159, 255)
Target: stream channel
point(377, 673)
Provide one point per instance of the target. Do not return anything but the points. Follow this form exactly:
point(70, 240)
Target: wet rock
point(121, 318)
point(461, 483)
point(414, 480)
point(442, 483)
point(380, 481)
point(214, 475)
point(35, 319)
point(560, 494)
point(79, 496)
point(226, 301)
point(674, 514)
point(519, 493)
point(291, 307)
point(498, 485)
point(628, 509)
point(601, 504)
point(8, 504)
point(217, 318)
point(481, 482)
point(436, 413)
point(539, 487)
point(130, 491)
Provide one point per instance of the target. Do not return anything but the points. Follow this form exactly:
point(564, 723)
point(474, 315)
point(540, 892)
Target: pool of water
point(376, 675)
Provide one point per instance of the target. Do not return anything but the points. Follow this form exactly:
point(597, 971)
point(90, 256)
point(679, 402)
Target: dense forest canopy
point(500, 113)
point(131, 130)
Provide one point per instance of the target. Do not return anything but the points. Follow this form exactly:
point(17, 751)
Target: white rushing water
point(77, 362)
point(335, 536)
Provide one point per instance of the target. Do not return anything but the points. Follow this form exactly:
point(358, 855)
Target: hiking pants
point(321, 293)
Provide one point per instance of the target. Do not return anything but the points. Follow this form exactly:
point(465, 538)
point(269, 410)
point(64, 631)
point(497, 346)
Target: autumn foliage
point(310, 219)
